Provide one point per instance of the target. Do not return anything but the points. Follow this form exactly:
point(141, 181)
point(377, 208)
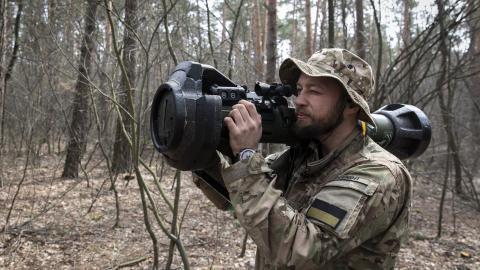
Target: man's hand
point(244, 126)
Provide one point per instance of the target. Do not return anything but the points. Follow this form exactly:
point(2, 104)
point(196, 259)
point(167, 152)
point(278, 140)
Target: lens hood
point(185, 125)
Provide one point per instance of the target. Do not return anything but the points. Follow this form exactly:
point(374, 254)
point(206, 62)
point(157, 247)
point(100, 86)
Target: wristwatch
point(245, 153)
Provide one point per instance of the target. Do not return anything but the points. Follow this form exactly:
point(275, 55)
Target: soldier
point(336, 200)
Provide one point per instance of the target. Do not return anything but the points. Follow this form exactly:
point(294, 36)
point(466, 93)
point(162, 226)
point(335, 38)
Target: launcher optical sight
point(187, 115)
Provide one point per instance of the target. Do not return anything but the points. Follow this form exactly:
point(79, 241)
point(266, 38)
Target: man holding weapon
point(336, 201)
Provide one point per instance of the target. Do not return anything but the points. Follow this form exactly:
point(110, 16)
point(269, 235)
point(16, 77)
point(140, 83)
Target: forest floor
point(50, 226)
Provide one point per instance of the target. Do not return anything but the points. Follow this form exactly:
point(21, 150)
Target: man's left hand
point(244, 126)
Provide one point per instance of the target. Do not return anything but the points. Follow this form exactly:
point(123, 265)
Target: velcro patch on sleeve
point(326, 213)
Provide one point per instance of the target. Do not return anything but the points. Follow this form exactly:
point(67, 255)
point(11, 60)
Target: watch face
point(247, 153)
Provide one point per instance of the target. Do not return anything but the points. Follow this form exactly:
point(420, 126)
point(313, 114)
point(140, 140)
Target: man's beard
point(319, 128)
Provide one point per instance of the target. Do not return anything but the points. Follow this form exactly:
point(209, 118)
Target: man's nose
point(299, 100)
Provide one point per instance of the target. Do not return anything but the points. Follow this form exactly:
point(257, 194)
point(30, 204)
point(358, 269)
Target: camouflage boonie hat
point(351, 71)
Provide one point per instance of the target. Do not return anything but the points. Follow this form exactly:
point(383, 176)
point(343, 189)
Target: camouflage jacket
point(346, 210)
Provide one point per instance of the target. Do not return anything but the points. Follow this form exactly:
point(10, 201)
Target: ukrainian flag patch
point(326, 213)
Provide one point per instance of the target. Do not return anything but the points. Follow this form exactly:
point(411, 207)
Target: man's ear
point(352, 108)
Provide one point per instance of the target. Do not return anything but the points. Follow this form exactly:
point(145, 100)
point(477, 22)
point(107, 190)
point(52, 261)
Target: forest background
point(81, 185)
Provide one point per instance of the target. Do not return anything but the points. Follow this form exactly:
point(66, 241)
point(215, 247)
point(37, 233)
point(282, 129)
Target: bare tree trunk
point(209, 33)
point(105, 73)
point(331, 24)
point(380, 45)
point(322, 40)
point(474, 51)
point(3, 26)
point(232, 39)
point(9, 69)
point(406, 38)
point(264, 15)
point(315, 31)
point(257, 40)
point(360, 39)
point(68, 31)
point(344, 24)
point(108, 32)
point(407, 22)
point(445, 104)
point(271, 51)
point(224, 30)
point(442, 198)
point(122, 152)
point(294, 29)
point(271, 43)
point(308, 22)
point(80, 118)
point(173, 230)
point(199, 26)
point(3, 45)
point(52, 5)
point(167, 33)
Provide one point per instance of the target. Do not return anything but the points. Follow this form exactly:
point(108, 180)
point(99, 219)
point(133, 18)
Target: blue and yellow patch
point(326, 213)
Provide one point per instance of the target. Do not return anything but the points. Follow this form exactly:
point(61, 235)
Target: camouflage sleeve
point(344, 214)
point(215, 174)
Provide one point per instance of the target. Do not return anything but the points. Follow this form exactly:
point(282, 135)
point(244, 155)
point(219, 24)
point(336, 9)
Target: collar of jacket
point(352, 144)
